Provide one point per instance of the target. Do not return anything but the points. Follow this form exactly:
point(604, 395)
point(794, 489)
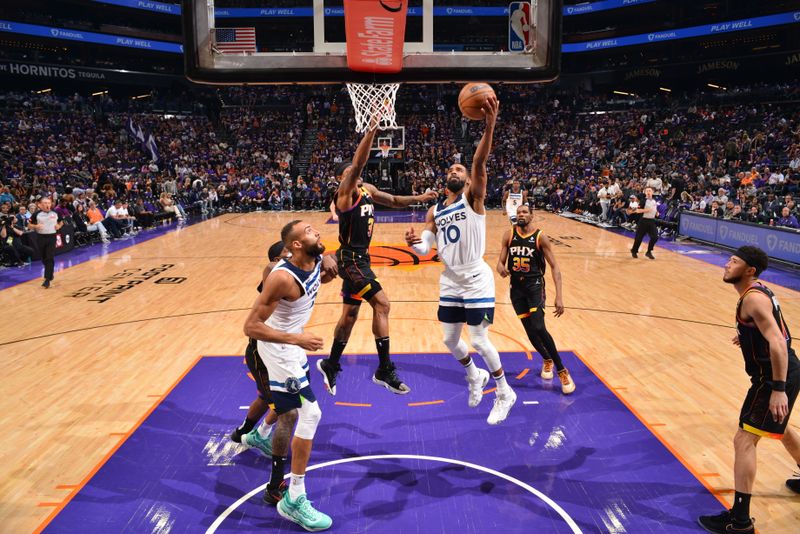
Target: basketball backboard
point(303, 41)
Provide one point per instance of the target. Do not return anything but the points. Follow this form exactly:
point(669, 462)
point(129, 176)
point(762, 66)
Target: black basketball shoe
point(794, 483)
point(272, 496)
point(329, 371)
point(386, 376)
point(723, 524)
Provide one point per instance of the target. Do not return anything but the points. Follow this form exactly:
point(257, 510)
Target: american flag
point(235, 40)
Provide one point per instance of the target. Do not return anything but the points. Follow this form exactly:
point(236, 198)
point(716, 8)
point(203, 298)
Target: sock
point(336, 350)
point(278, 471)
point(471, 369)
point(552, 351)
point(502, 385)
point(247, 426)
point(297, 486)
point(741, 508)
point(382, 344)
point(542, 341)
point(264, 429)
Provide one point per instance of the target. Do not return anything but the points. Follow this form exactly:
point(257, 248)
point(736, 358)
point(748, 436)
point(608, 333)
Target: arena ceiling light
point(98, 93)
point(623, 93)
point(43, 91)
point(665, 89)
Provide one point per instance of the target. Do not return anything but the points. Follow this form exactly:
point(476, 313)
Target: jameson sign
point(68, 72)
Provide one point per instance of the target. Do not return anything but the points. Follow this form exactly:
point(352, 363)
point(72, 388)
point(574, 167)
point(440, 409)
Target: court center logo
point(772, 242)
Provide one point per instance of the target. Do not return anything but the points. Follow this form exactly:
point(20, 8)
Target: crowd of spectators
point(734, 154)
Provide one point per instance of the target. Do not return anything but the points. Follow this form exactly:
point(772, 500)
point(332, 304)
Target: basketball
point(471, 99)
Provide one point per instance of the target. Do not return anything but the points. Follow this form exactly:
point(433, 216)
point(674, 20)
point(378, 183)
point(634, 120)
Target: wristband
point(779, 385)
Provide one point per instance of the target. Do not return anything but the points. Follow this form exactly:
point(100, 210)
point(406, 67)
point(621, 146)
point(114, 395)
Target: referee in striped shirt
point(646, 225)
point(46, 223)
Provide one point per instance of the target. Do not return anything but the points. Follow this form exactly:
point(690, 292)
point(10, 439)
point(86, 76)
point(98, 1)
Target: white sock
point(297, 486)
point(264, 429)
point(472, 370)
point(502, 386)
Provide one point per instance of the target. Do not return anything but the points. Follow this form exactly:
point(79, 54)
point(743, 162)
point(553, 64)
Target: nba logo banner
point(520, 27)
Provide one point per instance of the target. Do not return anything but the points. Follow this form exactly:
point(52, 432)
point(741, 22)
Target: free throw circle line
point(544, 498)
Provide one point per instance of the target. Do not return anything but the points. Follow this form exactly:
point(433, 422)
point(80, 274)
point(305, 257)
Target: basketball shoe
point(567, 385)
point(301, 511)
point(273, 496)
point(547, 369)
point(329, 371)
point(386, 376)
point(502, 405)
point(723, 524)
point(476, 387)
point(794, 483)
point(254, 440)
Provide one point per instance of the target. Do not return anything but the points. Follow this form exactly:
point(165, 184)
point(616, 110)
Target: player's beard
point(522, 224)
point(314, 249)
point(455, 185)
point(731, 279)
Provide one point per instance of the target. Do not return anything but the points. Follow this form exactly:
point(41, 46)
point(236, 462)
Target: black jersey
point(525, 259)
point(355, 224)
point(755, 348)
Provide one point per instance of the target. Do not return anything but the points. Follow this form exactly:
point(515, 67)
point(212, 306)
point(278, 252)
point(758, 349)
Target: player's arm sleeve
point(428, 235)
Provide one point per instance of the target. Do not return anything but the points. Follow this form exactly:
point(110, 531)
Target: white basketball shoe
point(476, 387)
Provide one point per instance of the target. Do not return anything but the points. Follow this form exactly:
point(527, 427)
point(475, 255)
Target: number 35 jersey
point(525, 259)
point(460, 235)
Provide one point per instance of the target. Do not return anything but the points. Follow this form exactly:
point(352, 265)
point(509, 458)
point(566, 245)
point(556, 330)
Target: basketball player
point(466, 287)
point(523, 252)
point(276, 320)
point(355, 208)
point(246, 434)
point(512, 199)
point(774, 370)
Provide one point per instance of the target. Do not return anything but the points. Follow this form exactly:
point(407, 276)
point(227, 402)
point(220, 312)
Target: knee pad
point(479, 335)
point(308, 417)
point(452, 339)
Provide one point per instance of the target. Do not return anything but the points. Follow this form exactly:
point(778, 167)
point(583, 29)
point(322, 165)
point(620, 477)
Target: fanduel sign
point(776, 242)
point(594, 7)
point(792, 17)
point(89, 37)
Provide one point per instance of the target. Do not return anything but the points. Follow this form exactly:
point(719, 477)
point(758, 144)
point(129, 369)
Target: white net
point(374, 105)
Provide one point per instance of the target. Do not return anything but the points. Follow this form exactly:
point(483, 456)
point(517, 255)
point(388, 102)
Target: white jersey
point(460, 234)
point(286, 362)
point(513, 201)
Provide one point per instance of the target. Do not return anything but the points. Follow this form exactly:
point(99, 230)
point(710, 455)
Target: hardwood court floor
point(83, 365)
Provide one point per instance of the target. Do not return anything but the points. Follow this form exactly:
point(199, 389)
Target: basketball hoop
point(374, 105)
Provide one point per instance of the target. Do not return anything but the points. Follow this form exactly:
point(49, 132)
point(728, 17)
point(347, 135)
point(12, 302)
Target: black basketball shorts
point(755, 416)
point(359, 283)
